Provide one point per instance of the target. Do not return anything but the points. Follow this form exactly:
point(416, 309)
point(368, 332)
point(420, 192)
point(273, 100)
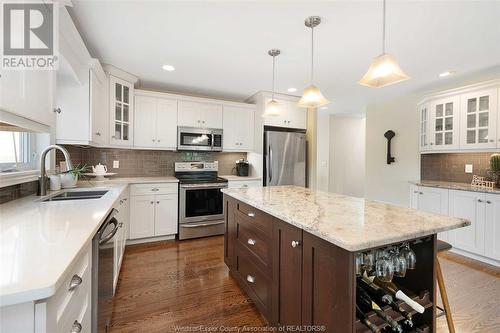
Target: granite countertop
point(354, 224)
point(39, 241)
point(239, 178)
point(454, 186)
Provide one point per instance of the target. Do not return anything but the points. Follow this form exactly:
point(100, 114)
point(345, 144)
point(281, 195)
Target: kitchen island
point(293, 251)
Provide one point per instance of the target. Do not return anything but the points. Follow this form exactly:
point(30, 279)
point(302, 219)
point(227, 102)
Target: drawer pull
point(250, 279)
point(251, 241)
point(75, 282)
point(488, 201)
point(251, 214)
point(295, 243)
point(155, 189)
point(245, 185)
point(76, 328)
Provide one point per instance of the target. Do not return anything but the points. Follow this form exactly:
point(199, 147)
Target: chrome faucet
point(69, 165)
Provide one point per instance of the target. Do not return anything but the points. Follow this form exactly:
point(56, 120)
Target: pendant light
point(384, 70)
point(272, 107)
point(312, 96)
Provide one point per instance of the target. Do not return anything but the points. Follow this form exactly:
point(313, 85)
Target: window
point(17, 151)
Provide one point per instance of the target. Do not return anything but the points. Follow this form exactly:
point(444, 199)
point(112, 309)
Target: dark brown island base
point(307, 282)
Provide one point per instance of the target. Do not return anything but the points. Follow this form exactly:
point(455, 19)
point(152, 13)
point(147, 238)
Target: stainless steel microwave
point(194, 138)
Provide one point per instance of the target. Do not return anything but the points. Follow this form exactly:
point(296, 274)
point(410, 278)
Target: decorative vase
point(68, 180)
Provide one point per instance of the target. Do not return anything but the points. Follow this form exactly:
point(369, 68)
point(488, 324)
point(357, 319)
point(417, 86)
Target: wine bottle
point(366, 302)
point(364, 319)
point(408, 319)
point(375, 292)
point(398, 294)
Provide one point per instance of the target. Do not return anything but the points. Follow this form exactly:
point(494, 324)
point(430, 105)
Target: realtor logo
point(29, 37)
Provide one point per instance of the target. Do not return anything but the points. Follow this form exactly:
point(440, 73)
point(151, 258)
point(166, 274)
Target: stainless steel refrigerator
point(284, 158)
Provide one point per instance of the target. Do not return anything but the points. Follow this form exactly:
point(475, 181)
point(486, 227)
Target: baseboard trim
point(476, 257)
point(149, 239)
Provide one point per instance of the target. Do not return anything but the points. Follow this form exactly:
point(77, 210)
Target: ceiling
point(219, 48)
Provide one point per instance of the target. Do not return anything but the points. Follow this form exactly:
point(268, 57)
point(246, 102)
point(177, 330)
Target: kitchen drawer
point(244, 183)
point(255, 240)
point(148, 189)
point(258, 218)
point(258, 283)
point(79, 314)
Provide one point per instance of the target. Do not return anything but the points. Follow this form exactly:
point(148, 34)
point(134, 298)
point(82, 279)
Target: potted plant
point(495, 168)
point(70, 177)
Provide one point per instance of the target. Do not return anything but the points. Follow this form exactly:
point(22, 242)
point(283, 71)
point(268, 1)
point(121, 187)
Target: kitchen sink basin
point(77, 195)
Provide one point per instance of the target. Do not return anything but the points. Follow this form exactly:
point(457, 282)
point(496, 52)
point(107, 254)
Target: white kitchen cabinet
point(498, 118)
point(244, 183)
point(166, 214)
point(290, 116)
point(424, 126)
point(98, 107)
point(155, 122)
point(444, 123)
point(492, 226)
point(123, 217)
point(478, 123)
point(153, 210)
point(431, 200)
point(471, 206)
point(199, 114)
point(238, 126)
point(142, 214)
point(121, 98)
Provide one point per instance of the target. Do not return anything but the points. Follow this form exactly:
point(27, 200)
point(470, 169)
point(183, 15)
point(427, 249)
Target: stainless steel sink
point(77, 195)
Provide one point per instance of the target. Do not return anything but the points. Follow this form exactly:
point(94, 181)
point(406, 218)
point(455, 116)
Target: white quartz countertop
point(354, 224)
point(454, 186)
point(239, 178)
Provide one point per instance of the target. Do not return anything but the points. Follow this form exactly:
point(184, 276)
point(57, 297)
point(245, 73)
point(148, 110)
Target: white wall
point(347, 155)
point(322, 150)
point(389, 183)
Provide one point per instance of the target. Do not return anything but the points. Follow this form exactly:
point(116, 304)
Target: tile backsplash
point(150, 163)
point(451, 166)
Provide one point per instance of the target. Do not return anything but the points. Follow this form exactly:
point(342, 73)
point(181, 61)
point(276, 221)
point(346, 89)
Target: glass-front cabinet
point(424, 126)
point(444, 124)
point(478, 119)
point(121, 111)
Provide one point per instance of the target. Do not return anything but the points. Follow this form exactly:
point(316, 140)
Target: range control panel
point(196, 166)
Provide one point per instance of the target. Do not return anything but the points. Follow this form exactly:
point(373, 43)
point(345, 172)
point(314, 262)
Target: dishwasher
point(102, 273)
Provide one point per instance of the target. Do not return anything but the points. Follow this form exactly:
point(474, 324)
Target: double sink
point(77, 195)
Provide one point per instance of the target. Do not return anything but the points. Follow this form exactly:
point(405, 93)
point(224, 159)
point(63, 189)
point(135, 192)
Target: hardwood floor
point(169, 285)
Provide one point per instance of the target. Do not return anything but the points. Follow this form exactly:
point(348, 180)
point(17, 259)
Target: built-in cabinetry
point(238, 126)
point(153, 210)
point(199, 114)
point(291, 116)
point(244, 183)
point(121, 104)
point(461, 119)
point(480, 240)
point(156, 120)
point(123, 217)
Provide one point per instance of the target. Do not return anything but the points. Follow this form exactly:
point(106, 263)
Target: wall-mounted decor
point(389, 135)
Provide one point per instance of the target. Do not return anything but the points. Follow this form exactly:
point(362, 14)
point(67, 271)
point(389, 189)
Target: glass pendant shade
point(272, 109)
point(383, 71)
point(312, 98)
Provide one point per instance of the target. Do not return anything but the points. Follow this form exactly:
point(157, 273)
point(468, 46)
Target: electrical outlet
point(468, 168)
point(116, 164)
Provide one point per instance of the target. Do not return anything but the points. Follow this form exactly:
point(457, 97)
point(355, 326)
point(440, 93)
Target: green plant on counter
point(79, 170)
point(495, 167)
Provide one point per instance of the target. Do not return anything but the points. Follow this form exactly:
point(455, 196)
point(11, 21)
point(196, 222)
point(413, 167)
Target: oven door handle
point(191, 225)
point(203, 186)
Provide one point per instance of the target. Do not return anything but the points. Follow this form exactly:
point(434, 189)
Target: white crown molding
point(119, 73)
point(461, 90)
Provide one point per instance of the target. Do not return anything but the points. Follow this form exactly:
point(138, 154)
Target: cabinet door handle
point(415, 192)
point(57, 110)
point(121, 202)
point(153, 140)
point(244, 185)
point(488, 202)
point(157, 202)
point(98, 133)
point(250, 279)
point(479, 200)
point(251, 214)
point(151, 202)
point(420, 192)
point(251, 241)
point(155, 189)
point(492, 140)
point(295, 244)
point(120, 225)
point(75, 282)
point(157, 140)
point(76, 328)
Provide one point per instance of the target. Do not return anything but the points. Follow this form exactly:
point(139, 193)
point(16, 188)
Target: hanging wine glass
point(369, 261)
point(359, 264)
point(409, 255)
point(399, 262)
point(384, 269)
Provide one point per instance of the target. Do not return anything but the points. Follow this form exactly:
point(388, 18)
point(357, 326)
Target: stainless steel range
point(201, 207)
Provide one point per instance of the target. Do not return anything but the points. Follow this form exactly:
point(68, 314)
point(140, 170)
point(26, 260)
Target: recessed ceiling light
point(447, 73)
point(168, 68)
point(292, 89)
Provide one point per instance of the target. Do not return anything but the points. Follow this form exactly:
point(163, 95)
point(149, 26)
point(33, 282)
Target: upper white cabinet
point(290, 116)
point(155, 122)
point(424, 126)
point(444, 123)
point(199, 114)
point(461, 119)
point(238, 126)
point(479, 119)
point(121, 98)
